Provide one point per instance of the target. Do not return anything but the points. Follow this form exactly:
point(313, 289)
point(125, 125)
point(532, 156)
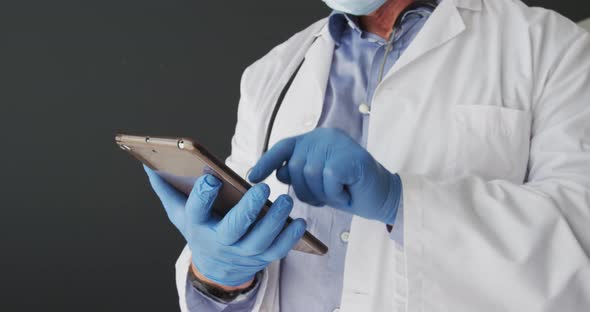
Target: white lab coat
point(486, 117)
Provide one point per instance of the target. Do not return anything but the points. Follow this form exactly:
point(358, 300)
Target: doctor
point(449, 168)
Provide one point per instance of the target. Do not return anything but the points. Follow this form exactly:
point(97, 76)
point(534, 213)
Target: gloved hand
point(327, 167)
point(223, 249)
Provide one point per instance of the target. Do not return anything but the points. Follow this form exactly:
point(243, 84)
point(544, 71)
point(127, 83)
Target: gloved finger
point(266, 230)
point(288, 238)
point(239, 219)
point(201, 198)
point(347, 169)
point(283, 174)
point(313, 172)
point(296, 166)
point(173, 200)
point(335, 191)
point(273, 159)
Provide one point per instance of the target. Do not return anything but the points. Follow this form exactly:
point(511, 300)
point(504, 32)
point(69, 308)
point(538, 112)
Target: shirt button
point(344, 236)
point(364, 109)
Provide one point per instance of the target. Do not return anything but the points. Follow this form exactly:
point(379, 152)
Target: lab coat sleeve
point(478, 245)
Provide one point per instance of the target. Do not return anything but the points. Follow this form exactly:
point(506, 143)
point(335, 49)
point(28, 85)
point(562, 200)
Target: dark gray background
point(80, 229)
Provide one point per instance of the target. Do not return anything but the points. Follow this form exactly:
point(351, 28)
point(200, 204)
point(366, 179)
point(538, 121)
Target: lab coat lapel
point(318, 64)
point(302, 107)
point(303, 103)
point(444, 24)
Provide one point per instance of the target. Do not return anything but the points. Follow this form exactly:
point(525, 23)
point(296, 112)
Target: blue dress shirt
point(308, 282)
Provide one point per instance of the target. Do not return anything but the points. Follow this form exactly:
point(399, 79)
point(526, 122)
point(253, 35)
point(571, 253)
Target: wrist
point(221, 293)
point(203, 279)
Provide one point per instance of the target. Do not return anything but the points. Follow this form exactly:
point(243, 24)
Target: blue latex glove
point(223, 249)
point(327, 167)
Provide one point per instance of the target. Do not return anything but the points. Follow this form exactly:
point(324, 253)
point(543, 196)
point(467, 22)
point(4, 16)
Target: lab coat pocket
point(491, 142)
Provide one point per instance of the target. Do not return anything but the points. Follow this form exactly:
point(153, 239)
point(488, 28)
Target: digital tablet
point(181, 161)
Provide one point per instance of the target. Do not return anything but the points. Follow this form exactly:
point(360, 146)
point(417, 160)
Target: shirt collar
point(338, 21)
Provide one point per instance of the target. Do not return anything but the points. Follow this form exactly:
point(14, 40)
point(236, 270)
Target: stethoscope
point(364, 108)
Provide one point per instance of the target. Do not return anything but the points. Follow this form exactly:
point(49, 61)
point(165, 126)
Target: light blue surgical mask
point(355, 7)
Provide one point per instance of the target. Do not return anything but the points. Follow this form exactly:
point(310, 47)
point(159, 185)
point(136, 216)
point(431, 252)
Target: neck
point(381, 21)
